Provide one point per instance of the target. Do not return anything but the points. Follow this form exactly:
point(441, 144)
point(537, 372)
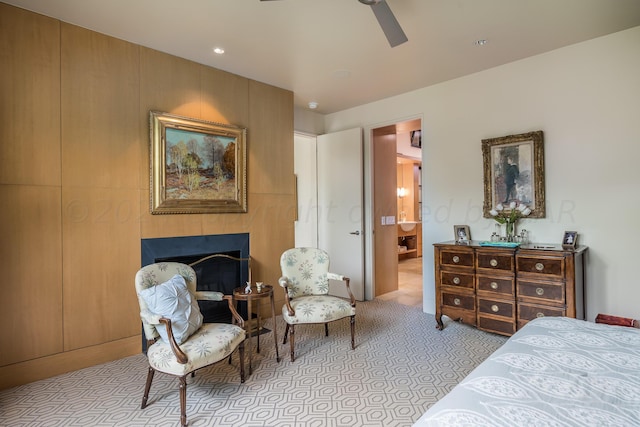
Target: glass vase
point(510, 231)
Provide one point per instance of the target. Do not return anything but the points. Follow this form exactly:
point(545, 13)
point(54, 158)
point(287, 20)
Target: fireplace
point(219, 273)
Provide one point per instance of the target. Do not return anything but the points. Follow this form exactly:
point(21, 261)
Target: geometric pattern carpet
point(401, 366)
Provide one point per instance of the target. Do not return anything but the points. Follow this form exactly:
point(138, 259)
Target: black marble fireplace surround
point(219, 274)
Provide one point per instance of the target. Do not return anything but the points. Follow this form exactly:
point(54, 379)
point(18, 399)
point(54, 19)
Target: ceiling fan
point(387, 21)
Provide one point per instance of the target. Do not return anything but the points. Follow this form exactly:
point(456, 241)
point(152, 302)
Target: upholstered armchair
point(178, 343)
point(305, 279)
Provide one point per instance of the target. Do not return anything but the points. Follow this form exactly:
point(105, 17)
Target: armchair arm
point(156, 319)
point(234, 312)
point(284, 282)
point(333, 276)
point(150, 318)
point(180, 356)
point(209, 296)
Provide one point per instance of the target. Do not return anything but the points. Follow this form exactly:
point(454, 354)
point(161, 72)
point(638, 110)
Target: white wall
point(586, 99)
point(307, 121)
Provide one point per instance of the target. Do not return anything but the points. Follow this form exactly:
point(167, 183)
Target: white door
point(340, 206)
point(304, 166)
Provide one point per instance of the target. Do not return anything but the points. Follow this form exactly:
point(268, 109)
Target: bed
point(555, 371)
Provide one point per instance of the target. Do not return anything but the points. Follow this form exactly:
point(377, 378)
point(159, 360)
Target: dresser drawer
point(495, 261)
point(527, 312)
point(505, 309)
point(541, 292)
point(496, 285)
point(463, 280)
point(491, 324)
point(550, 267)
point(456, 258)
point(463, 301)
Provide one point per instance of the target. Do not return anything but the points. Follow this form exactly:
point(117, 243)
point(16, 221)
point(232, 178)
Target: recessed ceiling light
point(313, 105)
point(481, 42)
point(218, 50)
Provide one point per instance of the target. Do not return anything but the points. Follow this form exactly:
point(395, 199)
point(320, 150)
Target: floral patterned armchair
point(178, 343)
point(305, 279)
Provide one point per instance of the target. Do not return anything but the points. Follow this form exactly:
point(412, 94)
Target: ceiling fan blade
point(389, 23)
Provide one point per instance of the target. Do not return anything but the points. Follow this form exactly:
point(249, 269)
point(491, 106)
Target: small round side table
point(265, 292)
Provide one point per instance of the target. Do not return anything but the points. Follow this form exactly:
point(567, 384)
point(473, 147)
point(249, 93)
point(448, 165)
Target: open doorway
point(397, 194)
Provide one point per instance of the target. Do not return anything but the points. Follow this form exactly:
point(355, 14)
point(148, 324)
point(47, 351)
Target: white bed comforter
point(555, 371)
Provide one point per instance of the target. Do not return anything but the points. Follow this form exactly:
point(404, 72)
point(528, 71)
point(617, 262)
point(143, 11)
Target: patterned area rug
point(401, 366)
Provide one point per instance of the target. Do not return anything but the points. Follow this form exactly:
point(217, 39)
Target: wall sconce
point(402, 192)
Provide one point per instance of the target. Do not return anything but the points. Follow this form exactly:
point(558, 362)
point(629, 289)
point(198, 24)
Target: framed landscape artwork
point(514, 172)
point(196, 166)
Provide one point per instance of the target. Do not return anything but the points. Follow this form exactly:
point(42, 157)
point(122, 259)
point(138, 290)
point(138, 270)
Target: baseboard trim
point(46, 367)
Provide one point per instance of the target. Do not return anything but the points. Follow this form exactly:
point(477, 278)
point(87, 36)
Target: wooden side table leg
point(250, 330)
point(258, 326)
point(275, 334)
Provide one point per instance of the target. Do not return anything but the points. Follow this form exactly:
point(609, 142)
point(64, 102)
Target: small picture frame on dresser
point(461, 234)
point(569, 240)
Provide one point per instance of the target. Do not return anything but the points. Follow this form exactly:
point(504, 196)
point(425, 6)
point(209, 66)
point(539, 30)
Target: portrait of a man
point(514, 173)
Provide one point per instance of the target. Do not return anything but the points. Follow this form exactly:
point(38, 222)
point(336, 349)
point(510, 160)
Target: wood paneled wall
point(74, 180)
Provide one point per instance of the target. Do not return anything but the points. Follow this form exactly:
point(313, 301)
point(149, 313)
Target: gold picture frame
point(196, 166)
point(514, 172)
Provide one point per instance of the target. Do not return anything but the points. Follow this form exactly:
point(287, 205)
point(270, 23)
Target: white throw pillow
point(173, 300)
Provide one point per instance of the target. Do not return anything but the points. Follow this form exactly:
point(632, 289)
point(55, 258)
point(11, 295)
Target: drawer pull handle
point(494, 285)
point(540, 291)
point(539, 266)
point(493, 262)
point(540, 314)
point(495, 308)
point(456, 259)
point(456, 280)
point(456, 301)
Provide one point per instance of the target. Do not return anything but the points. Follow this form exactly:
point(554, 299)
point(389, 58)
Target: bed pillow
point(173, 300)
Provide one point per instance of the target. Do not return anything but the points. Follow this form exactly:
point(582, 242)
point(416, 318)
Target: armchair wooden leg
point(183, 400)
point(147, 387)
point(241, 350)
point(286, 334)
point(291, 339)
point(353, 332)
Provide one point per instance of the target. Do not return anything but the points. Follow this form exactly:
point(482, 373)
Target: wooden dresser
point(500, 289)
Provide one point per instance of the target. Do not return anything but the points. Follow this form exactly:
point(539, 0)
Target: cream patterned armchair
point(178, 342)
point(305, 279)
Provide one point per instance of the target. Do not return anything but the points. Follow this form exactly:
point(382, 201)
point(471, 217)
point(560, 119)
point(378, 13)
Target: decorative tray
point(501, 244)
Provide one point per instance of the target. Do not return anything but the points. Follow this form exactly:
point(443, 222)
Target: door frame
point(369, 241)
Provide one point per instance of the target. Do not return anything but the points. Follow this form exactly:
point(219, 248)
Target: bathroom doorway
point(397, 194)
point(409, 199)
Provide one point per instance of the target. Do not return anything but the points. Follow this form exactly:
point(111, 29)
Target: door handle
point(355, 233)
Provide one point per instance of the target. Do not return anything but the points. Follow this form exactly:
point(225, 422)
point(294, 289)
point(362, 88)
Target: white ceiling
point(333, 51)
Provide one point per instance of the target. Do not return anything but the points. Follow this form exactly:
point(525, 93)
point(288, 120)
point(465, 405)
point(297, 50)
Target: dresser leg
point(439, 325)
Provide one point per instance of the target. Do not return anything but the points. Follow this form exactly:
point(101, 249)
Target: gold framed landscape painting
point(196, 166)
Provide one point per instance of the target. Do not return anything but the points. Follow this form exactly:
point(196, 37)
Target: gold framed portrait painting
point(514, 172)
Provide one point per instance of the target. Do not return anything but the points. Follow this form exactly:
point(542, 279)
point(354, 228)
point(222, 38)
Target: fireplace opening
point(219, 272)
